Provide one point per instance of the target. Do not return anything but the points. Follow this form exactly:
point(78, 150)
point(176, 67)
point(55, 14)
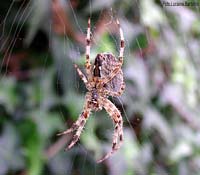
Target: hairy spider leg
point(112, 75)
point(87, 52)
point(122, 43)
point(84, 116)
point(113, 93)
point(77, 126)
point(121, 58)
point(118, 131)
point(81, 75)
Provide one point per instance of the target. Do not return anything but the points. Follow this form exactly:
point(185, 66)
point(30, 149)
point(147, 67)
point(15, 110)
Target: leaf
point(154, 120)
point(180, 151)
point(40, 90)
point(126, 157)
point(47, 123)
point(33, 147)
point(8, 93)
point(40, 10)
point(105, 44)
point(89, 138)
point(99, 4)
point(151, 14)
point(11, 156)
point(75, 104)
point(172, 93)
point(137, 72)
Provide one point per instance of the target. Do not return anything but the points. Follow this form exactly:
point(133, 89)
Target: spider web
point(46, 77)
point(8, 44)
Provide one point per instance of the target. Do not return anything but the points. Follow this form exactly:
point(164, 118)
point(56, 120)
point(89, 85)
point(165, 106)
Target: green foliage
point(33, 147)
point(8, 94)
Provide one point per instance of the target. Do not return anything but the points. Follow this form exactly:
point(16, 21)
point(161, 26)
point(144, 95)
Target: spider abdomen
point(105, 64)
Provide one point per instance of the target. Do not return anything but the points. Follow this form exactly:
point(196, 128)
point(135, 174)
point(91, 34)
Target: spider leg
point(113, 93)
point(78, 126)
point(122, 43)
point(118, 131)
point(81, 75)
point(87, 52)
point(112, 75)
point(121, 55)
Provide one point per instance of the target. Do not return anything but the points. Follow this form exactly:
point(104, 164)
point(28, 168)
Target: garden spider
point(104, 78)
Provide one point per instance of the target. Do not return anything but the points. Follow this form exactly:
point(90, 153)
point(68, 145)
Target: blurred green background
point(41, 93)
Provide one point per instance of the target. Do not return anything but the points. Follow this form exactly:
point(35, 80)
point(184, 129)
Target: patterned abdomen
point(108, 64)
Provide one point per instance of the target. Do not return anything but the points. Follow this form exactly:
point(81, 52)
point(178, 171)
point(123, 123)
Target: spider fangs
point(104, 78)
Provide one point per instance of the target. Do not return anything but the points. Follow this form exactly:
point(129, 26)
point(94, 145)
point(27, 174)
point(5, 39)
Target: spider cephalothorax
point(103, 79)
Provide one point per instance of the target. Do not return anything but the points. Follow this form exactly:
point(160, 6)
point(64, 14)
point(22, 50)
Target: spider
point(103, 79)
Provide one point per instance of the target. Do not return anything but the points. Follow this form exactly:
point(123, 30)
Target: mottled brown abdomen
point(108, 63)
